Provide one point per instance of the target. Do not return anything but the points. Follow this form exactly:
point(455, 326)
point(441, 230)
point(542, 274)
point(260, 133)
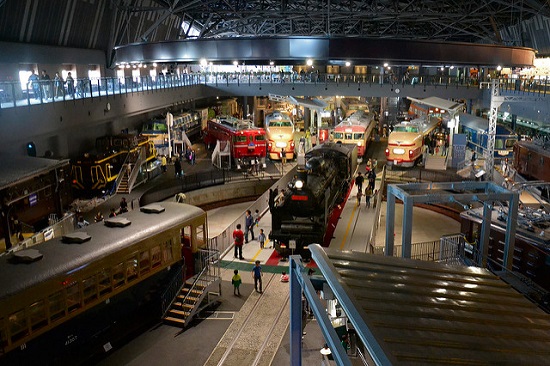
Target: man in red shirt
point(238, 237)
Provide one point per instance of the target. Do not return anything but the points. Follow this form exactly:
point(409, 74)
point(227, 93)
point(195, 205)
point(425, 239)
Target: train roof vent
point(154, 208)
point(78, 237)
point(27, 256)
point(117, 221)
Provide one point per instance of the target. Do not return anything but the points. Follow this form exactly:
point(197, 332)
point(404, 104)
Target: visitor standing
point(257, 275)
point(238, 239)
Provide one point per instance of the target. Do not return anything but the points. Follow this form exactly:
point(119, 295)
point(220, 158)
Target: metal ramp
point(197, 293)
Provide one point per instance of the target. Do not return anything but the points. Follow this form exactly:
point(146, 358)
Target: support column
point(295, 315)
point(390, 222)
point(510, 240)
point(307, 118)
point(483, 244)
point(406, 237)
point(5, 218)
point(246, 111)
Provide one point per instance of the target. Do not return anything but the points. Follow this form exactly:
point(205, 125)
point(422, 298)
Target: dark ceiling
point(104, 24)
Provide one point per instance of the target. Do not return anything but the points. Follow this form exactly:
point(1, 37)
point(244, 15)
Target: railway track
point(257, 330)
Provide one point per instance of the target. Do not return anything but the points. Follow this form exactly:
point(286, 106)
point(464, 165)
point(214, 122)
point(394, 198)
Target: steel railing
point(17, 94)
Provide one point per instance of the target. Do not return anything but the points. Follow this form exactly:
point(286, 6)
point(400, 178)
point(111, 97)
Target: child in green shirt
point(236, 281)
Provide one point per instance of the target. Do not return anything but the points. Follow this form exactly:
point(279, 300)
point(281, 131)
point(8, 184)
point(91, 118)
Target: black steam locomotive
point(301, 213)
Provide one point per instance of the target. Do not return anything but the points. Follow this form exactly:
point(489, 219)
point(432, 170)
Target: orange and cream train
point(356, 129)
point(405, 143)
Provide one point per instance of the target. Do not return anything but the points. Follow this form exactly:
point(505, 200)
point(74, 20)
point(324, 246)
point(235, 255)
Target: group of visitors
point(256, 275)
point(370, 189)
point(44, 88)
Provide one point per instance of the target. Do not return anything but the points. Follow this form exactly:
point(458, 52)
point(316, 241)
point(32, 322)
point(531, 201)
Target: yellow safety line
point(349, 226)
point(258, 252)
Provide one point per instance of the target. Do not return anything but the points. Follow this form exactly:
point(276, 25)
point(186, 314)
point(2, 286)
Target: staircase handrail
point(172, 290)
point(121, 173)
point(197, 279)
point(377, 210)
point(135, 170)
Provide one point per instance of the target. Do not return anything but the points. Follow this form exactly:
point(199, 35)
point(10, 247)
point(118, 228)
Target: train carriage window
point(56, 303)
point(144, 262)
point(186, 236)
point(167, 252)
point(131, 269)
point(37, 315)
point(155, 257)
point(118, 275)
point(104, 282)
point(73, 298)
point(18, 325)
point(89, 289)
point(200, 236)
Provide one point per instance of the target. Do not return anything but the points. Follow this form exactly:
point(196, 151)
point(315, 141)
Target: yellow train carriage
point(69, 276)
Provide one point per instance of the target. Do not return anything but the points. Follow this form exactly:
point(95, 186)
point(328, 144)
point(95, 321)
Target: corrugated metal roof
point(423, 313)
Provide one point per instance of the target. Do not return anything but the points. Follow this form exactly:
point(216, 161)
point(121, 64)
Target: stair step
point(185, 291)
point(179, 313)
point(178, 321)
point(189, 298)
point(178, 304)
point(197, 286)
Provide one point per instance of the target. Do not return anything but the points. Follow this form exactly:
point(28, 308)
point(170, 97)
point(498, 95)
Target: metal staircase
point(130, 169)
point(196, 293)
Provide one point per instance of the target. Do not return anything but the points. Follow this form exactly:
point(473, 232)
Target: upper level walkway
point(14, 94)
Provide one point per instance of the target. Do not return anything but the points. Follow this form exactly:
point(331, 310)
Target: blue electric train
point(476, 128)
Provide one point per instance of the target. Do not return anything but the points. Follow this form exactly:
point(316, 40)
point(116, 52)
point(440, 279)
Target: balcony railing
point(14, 94)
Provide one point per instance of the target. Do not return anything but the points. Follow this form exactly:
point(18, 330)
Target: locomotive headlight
point(299, 184)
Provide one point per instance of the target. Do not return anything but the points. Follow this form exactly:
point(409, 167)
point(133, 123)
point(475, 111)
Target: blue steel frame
point(299, 281)
point(487, 193)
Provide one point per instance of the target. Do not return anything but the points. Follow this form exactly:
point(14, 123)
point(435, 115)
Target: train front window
point(406, 129)
point(240, 138)
point(499, 144)
point(259, 138)
point(348, 136)
point(510, 143)
point(338, 135)
point(358, 136)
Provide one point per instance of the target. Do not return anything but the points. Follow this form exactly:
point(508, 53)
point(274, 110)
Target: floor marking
point(348, 227)
point(258, 253)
